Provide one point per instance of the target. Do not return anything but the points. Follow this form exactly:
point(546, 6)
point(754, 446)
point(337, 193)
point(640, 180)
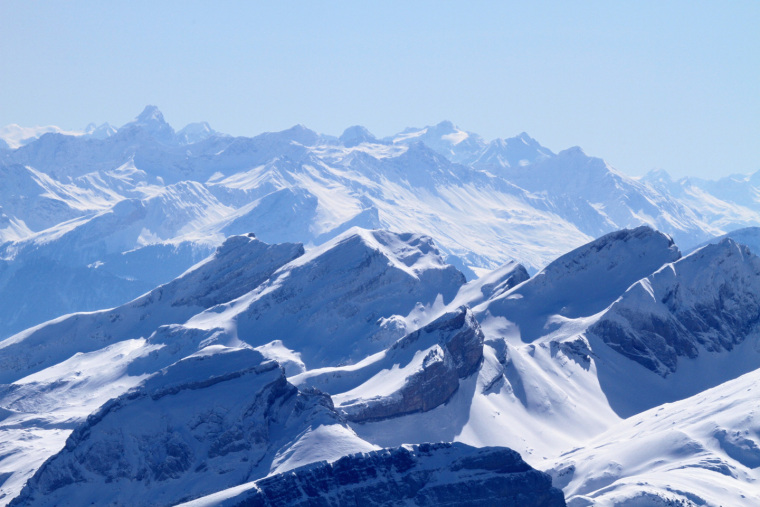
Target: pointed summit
point(152, 121)
point(151, 114)
point(659, 178)
point(658, 174)
point(297, 133)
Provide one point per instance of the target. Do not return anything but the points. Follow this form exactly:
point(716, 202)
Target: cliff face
point(705, 302)
point(432, 361)
point(451, 474)
point(214, 420)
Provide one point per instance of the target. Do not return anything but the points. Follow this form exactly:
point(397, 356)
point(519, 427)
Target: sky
point(645, 85)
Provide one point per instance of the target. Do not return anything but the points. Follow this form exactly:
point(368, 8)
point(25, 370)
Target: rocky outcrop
point(238, 266)
point(584, 281)
point(214, 420)
point(337, 303)
point(513, 274)
point(707, 301)
point(429, 363)
point(426, 474)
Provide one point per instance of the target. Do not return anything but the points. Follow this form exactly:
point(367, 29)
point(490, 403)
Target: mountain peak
point(601, 270)
point(151, 114)
point(513, 152)
point(447, 126)
point(527, 140)
point(301, 134)
point(658, 174)
point(99, 131)
point(704, 302)
point(356, 135)
point(659, 178)
point(573, 151)
point(152, 121)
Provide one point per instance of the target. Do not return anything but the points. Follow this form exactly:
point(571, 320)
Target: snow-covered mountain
point(707, 300)
point(218, 418)
point(484, 203)
point(56, 374)
point(12, 136)
point(426, 474)
point(380, 347)
point(702, 450)
point(257, 305)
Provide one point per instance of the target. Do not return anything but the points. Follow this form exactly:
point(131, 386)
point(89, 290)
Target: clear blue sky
point(644, 84)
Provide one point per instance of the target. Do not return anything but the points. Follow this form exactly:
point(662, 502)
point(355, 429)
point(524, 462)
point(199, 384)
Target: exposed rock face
point(426, 474)
point(515, 276)
point(330, 304)
point(239, 265)
point(709, 300)
point(432, 360)
point(212, 421)
point(584, 281)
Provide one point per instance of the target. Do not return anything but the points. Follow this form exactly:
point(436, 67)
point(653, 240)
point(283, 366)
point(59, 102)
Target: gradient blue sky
point(672, 85)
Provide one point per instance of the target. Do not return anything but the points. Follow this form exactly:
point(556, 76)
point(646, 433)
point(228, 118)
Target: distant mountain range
point(122, 210)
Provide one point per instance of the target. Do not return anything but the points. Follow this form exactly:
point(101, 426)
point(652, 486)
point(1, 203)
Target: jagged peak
point(151, 114)
point(658, 174)
point(525, 137)
point(196, 132)
point(299, 127)
point(152, 120)
point(726, 247)
point(410, 252)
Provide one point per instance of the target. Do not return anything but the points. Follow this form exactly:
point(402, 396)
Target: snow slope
point(748, 236)
point(702, 450)
point(581, 282)
point(58, 373)
point(238, 266)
